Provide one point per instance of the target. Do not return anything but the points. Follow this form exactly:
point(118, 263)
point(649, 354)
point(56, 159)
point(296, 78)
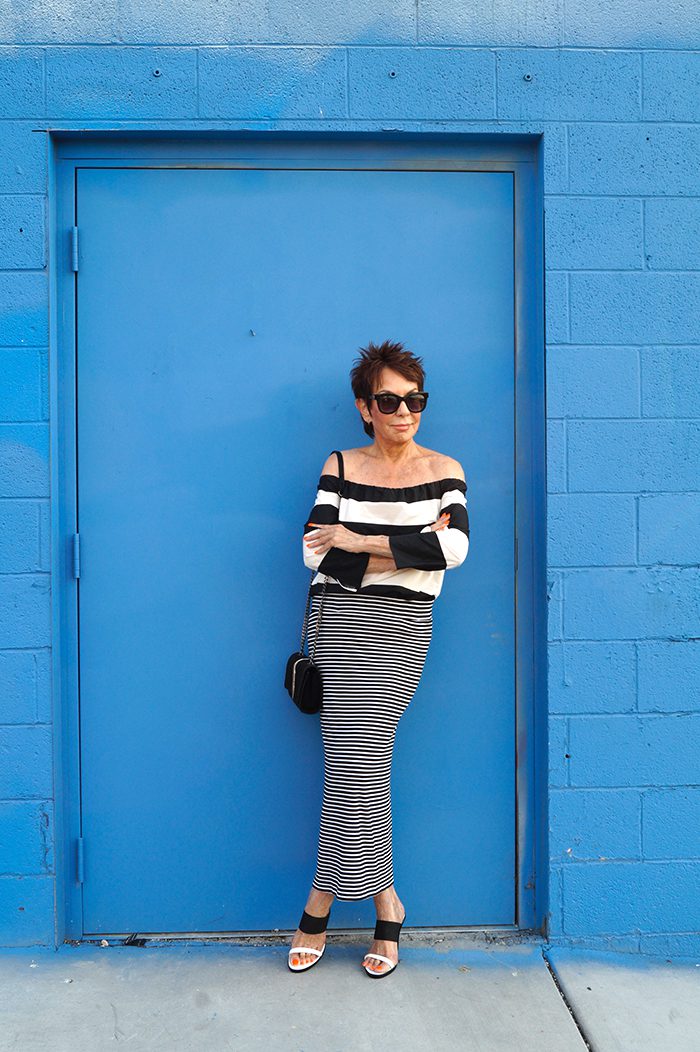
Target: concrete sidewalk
point(447, 993)
point(629, 1003)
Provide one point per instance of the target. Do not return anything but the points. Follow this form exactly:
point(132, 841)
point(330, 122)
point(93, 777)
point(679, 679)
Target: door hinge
point(74, 248)
point(80, 861)
point(76, 555)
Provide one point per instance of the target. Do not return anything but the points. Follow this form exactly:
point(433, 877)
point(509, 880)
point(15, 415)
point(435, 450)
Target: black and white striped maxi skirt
point(371, 650)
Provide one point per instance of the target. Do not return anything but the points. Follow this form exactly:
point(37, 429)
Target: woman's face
point(400, 426)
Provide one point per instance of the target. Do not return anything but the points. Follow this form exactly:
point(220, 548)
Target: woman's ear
point(364, 411)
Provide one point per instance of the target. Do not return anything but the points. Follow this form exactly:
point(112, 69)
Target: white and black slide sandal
point(384, 931)
point(310, 925)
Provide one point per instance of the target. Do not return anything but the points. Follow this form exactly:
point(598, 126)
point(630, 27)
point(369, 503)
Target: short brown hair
point(372, 359)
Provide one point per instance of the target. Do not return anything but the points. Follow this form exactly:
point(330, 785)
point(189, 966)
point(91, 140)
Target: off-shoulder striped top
point(404, 514)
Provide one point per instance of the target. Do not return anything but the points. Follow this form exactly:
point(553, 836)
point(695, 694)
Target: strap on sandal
point(380, 957)
point(306, 949)
point(387, 931)
point(311, 925)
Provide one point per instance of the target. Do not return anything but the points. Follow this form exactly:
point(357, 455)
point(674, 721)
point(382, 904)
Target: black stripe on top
point(366, 491)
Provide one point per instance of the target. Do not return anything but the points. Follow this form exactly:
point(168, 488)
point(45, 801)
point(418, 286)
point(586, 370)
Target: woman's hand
point(323, 538)
point(442, 522)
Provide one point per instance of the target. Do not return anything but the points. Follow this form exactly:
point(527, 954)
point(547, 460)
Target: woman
point(386, 524)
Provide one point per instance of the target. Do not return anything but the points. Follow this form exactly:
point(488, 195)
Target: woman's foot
point(389, 907)
point(318, 905)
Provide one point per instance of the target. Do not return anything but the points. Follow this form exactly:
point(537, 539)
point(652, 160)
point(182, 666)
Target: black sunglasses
point(387, 402)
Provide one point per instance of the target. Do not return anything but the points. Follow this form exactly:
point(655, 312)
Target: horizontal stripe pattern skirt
point(371, 650)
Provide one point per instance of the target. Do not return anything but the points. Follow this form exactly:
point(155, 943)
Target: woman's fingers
point(442, 522)
point(313, 538)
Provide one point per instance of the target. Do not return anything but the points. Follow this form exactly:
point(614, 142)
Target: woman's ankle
point(319, 902)
point(388, 900)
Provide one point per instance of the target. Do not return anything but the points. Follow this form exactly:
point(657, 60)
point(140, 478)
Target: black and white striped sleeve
point(437, 549)
point(348, 568)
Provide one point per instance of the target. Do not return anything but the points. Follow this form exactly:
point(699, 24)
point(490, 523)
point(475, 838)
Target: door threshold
point(476, 935)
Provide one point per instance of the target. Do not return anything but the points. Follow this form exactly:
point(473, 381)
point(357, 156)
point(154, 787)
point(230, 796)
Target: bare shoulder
point(330, 466)
point(351, 459)
point(445, 466)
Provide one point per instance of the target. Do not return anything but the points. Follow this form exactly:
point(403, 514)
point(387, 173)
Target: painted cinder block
point(591, 529)
point(442, 22)
point(21, 82)
point(671, 823)
point(142, 82)
point(607, 943)
point(21, 384)
point(672, 234)
point(669, 528)
point(27, 910)
point(649, 455)
point(436, 83)
point(210, 22)
point(282, 22)
point(672, 945)
point(554, 152)
point(24, 460)
point(645, 159)
point(23, 162)
point(593, 824)
point(620, 603)
point(620, 897)
point(554, 606)
point(668, 675)
point(670, 381)
point(26, 769)
point(671, 85)
point(272, 82)
point(594, 233)
point(554, 913)
point(25, 610)
point(22, 232)
point(568, 85)
point(56, 22)
point(629, 750)
point(44, 699)
point(597, 23)
point(592, 677)
point(24, 309)
point(558, 759)
point(19, 537)
point(26, 837)
point(556, 456)
point(19, 687)
point(643, 307)
point(593, 381)
point(556, 306)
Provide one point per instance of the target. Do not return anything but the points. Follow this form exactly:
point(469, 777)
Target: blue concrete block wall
point(614, 94)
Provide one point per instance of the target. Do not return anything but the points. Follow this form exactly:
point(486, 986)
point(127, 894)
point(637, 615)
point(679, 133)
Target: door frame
point(522, 156)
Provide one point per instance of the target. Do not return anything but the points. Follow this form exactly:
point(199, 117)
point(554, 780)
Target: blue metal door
point(218, 313)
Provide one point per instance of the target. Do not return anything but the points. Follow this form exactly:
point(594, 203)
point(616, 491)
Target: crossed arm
point(331, 548)
point(379, 546)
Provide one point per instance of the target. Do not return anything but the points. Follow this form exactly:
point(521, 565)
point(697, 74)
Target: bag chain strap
point(313, 574)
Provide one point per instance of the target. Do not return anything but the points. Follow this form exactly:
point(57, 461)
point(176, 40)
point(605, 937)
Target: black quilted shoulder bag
point(302, 676)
